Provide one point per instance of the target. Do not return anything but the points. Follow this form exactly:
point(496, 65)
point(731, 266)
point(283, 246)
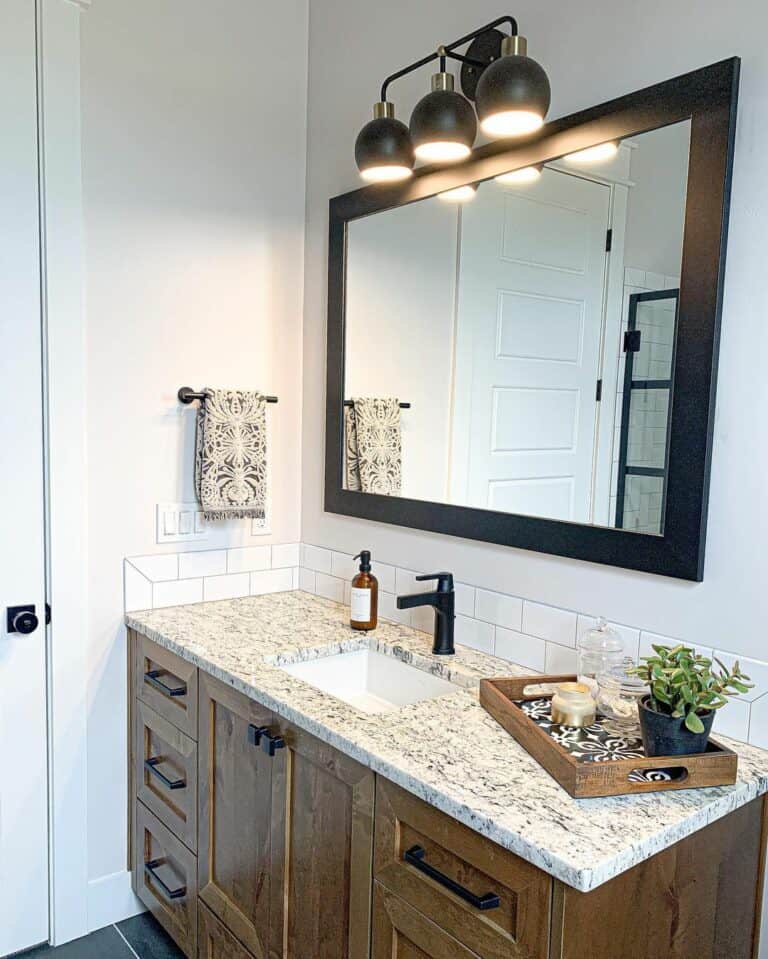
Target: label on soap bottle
point(361, 605)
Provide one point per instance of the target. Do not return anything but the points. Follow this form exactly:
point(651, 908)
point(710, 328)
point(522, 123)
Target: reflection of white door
point(23, 749)
point(530, 308)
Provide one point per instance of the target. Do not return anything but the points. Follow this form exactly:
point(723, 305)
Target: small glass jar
point(573, 705)
point(599, 650)
point(618, 694)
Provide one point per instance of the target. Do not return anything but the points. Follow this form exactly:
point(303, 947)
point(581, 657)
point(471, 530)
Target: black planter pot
point(665, 735)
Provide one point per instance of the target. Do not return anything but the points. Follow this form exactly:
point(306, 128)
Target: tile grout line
point(120, 933)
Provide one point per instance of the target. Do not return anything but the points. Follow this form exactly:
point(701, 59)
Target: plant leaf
point(693, 723)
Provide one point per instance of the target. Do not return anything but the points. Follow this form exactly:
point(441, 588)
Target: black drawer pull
point(149, 869)
point(261, 736)
point(153, 677)
point(151, 766)
point(415, 856)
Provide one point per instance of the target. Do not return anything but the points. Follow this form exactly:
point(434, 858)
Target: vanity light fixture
point(461, 194)
point(600, 153)
point(511, 93)
point(525, 174)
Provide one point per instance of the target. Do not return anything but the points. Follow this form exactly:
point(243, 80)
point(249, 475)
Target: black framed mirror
point(536, 367)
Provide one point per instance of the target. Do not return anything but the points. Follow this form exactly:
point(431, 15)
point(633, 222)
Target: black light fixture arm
point(446, 50)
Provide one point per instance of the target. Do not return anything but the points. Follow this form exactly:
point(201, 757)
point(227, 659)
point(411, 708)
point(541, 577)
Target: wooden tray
point(599, 761)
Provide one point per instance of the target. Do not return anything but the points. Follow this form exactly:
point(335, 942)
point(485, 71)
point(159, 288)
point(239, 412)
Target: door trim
point(61, 244)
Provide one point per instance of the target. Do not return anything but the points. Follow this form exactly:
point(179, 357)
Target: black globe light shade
point(383, 149)
point(513, 92)
point(443, 124)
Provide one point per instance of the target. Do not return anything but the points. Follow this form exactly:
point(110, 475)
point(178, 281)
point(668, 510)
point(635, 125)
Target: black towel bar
point(187, 395)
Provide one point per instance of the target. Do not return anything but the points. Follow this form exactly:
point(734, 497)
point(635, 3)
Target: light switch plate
point(179, 523)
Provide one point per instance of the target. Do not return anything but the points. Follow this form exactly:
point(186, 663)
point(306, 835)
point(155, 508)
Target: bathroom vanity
point(272, 818)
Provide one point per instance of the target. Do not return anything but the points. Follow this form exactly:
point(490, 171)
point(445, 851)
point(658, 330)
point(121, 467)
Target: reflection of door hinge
point(608, 240)
point(632, 341)
point(599, 391)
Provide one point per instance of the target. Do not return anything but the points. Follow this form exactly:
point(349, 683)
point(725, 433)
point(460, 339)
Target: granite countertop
point(448, 751)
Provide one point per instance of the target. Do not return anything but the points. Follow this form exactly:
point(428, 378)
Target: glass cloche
point(600, 649)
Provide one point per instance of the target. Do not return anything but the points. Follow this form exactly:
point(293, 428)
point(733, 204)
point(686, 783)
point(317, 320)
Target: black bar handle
point(187, 395)
point(151, 766)
point(150, 869)
point(415, 856)
point(261, 736)
point(351, 404)
point(153, 678)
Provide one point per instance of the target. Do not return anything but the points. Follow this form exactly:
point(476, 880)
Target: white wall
point(400, 330)
point(194, 147)
point(593, 52)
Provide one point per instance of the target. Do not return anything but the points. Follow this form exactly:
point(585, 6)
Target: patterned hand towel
point(231, 454)
point(373, 445)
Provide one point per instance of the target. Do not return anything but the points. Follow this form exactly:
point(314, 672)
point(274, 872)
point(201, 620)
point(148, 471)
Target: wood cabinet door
point(322, 846)
point(214, 941)
point(235, 813)
point(401, 932)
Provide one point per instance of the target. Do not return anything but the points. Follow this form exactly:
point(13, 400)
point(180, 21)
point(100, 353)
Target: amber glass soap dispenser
point(365, 595)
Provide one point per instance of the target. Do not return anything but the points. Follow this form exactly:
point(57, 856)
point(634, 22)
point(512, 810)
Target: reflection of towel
point(231, 454)
point(373, 446)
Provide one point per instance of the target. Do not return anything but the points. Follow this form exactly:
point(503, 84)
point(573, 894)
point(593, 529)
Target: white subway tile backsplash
point(548, 622)
point(158, 568)
point(271, 581)
point(211, 562)
point(423, 618)
point(758, 722)
point(472, 632)
point(756, 670)
point(465, 599)
point(307, 579)
point(228, 586)
point(249, 559)
point(388, 609)
point(316, 558)
point(559, 659)
point(138, 589)
point(385, 574)
point(521, 649)
point(733, 720)
point(178, 592)
point(330, 587)
point(286, 554)
point(406, 582)
point(649, 640)
point(344, 566)
point(506, 611)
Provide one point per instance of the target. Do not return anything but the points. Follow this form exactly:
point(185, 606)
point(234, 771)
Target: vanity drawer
point(214, 940)
point(168, 684)
point(400, 932)
point(165, 879)
point(165, 773)
point(451, 874)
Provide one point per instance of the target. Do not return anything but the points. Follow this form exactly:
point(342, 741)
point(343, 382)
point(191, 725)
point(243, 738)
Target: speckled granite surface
point(448, 751)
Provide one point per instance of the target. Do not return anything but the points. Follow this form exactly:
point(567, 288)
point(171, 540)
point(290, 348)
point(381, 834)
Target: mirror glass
point(515, 351)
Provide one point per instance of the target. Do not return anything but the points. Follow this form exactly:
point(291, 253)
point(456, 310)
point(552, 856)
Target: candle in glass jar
point(573, 705)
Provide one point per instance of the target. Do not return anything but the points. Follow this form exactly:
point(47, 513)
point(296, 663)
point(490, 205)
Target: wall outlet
point(179, 523)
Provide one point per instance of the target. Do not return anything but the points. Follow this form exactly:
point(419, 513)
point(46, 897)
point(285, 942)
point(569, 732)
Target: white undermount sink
point(370, 681)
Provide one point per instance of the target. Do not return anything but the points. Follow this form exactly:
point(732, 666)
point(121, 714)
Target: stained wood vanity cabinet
point(252, 839)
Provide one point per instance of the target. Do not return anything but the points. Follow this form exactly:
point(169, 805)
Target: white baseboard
point(111, 899)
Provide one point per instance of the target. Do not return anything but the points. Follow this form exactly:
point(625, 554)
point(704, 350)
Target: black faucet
point(444, 601)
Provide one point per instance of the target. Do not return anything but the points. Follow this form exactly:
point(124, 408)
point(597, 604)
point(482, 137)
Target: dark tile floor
point(137, 938)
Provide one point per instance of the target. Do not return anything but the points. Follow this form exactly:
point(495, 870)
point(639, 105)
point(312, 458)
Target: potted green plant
point(686, 689)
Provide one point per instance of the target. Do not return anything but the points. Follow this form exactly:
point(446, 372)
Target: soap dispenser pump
point(365, 595)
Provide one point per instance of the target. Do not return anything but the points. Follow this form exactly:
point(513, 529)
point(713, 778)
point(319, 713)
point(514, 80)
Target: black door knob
point(22, 619)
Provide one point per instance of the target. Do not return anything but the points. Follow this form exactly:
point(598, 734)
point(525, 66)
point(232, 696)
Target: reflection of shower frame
point(630, 385)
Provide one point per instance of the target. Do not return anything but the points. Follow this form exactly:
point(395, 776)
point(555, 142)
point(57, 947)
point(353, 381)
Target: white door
point(529, 324)
point(23, 741)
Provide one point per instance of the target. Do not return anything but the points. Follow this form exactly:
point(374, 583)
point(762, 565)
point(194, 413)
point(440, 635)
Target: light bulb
point(526, 174)
point(599, 153)
point(461, 194)
point(511, 123)
point(442, 151)
point(385, 174)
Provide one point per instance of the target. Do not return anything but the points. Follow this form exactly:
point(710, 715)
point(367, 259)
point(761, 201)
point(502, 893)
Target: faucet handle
point(444, 581)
